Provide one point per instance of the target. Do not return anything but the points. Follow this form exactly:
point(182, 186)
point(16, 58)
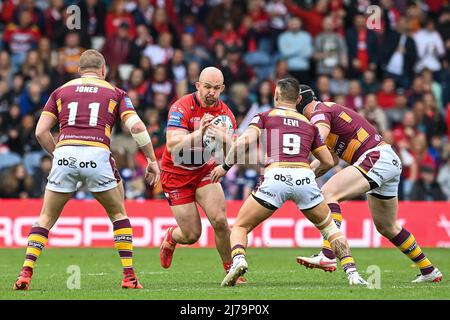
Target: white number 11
point(93, 118)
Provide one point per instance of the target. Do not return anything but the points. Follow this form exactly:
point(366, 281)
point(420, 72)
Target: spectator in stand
point(21, 38)
point(143, 40)
point(444, 175)
point(5, 66)
point(192, 26)
point(296, 47)
point(430, 48)
point(40, 176)
point(237, 70)
point(369, 82)
point(354, 99)
point(430, 85)
point(374, 114)
point(330, 49)
point(70, 54)
point(222, 13)
point(93, 15)
point(16, 183)
point(32, 99)
point(362, 47)
point(139, 84)
point(55, 21)
point(399, 54)
point(192, 51)
point(387, 95)
point(338, 83)
point(161, 52)
point(264, 102)
point(161, 83)
point(116, 16)
point(143, 13)
point(426, 188)
point(277, 11)
point(118, 48)
point(161, 24)
point(323, 91)
point(313, 18)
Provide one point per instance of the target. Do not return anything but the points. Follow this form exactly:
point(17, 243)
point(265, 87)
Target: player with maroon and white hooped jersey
point(86, 109)
point(374, 169)
point(290, 138)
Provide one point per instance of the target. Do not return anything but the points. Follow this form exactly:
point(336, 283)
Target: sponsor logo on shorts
point(106, 182)
point(377, 174)
point(397, 164)
point(315, 197)
point(286, 179)
point(267, 193)
point(290, 181)
point(71, 162)
point(54, 182)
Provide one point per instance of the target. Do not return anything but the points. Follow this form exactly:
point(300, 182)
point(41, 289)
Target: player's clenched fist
point(153, 173)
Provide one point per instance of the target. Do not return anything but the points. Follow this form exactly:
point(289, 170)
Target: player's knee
point(191, 237)
point(220, 224)
point(388, 230)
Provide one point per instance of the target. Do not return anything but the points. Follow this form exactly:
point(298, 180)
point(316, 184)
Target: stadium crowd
point(390, 64)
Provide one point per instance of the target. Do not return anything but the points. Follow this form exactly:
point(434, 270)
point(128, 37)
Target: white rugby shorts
point(382, 165)
point(282, 184)
point(92, 165)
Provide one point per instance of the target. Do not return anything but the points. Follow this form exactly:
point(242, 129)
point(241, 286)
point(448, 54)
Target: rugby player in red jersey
point(289, 138)
point(186, 169)
point(86, 110)
point(374, 168)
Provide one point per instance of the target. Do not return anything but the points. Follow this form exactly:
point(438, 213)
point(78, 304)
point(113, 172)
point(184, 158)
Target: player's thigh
point(384, 211)
point(345, 185)
point(54, 203)
point(188, 218)
point(112, 201)
point(212, 200)
point(251, 214)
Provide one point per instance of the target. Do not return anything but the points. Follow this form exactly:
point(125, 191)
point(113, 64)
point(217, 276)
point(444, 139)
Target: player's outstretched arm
point(140, 135)
point(43, 134)
point(237, 151)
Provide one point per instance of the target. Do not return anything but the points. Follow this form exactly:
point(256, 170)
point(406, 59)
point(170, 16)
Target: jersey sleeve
point(125, 105)
point(321, 117)
point(51, 108)
point(178, 117)
point(317, 143)
point(257, 122)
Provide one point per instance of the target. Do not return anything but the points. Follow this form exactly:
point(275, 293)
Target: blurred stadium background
point(396, 73)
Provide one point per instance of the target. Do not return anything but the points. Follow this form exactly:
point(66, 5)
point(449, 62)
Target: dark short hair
point(289, 89)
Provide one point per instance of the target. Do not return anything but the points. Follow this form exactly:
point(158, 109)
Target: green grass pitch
point(196, 275)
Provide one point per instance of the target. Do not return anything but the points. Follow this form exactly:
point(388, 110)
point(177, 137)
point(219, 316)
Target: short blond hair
point(91, 60)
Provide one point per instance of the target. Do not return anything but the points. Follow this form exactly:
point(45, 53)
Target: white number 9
point(291, 143)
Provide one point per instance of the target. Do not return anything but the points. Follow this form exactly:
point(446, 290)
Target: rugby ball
point(222, 120)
